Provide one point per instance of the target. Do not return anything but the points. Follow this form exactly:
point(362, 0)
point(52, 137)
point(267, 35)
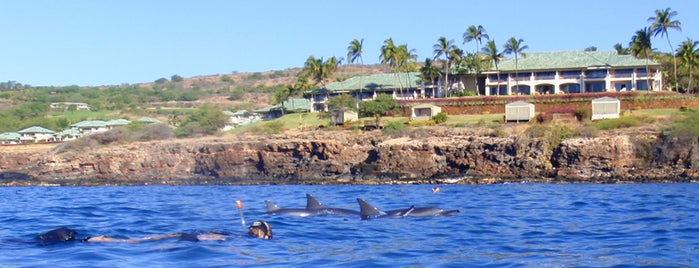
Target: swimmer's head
point(260, 229)
point(62, 234)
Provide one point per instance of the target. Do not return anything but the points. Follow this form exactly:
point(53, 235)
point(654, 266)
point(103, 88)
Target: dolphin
point(369, 211)
point(313, 208)
point(314, 204)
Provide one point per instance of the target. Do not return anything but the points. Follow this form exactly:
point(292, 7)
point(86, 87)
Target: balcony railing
point(569, 76)
point(623, 75)
point(545, 77)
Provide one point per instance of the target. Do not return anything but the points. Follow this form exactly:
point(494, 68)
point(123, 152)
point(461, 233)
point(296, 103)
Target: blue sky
point(110, 42)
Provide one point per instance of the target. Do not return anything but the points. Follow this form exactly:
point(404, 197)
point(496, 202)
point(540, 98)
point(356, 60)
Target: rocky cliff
point(457, 155)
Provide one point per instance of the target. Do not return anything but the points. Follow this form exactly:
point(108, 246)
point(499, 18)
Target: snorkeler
point(258, 229)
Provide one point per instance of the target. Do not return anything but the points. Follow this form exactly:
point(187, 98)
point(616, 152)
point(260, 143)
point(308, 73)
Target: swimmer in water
point(258, 229)
point(435, 190)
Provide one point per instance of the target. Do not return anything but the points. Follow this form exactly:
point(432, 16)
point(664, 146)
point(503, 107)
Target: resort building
point(402, 86)
point(536, 73)
point(572, 72)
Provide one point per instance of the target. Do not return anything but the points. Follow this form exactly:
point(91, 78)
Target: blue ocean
point(512, 225)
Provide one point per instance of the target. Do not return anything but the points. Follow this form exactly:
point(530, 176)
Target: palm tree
point(492, 54)
point(387, 52)
point(689, 54)
point(320, 71)
point(621, 50)
point(660, 24)
point(640, 46)
point(354, 52)
point(430, 71)
point(397, 57)
point(476, 33)
point(404, 61)
point(444, 47)
point(514, 46)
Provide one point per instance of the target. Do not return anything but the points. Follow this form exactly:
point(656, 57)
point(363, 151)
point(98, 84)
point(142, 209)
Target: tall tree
point(404, 62)
point(318, 70)
point(620, 49)
point(492, 54)
point(442, 48)
point(689, 54)
point(354, 52)
point(516, 46)
point(430, 72)
point(640, 46)
point(476, 33)
point(387, 55)
point(659, 26)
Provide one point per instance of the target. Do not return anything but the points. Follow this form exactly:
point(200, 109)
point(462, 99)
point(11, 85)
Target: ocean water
point(513, 225)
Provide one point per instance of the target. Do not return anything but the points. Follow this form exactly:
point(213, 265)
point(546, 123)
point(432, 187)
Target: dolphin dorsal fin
point(271, 206)
point(407, 213)
point(312, 203)
point(368, 210)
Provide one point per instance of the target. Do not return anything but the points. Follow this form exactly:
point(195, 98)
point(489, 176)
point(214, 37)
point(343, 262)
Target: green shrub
point(236, 94)
point(393, 128)
point(553, 133)
point(440, 118)
point(582, 114)
point(227, 79)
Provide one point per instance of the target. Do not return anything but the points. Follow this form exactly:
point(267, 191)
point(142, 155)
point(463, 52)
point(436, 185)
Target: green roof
point(89, 124)
point(36, 129)
point(147, 119)
point(118, 122)
point(9, 136)
point(373, 82)
point(69, 132)
point(571, 60)
point(293, 105)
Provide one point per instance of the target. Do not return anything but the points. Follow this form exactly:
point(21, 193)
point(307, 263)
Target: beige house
point(341, 116)
point(605, 107)
point(519, 111)
point(422, 112)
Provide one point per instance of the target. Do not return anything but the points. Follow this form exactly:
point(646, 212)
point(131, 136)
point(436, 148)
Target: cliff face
point(466, 156)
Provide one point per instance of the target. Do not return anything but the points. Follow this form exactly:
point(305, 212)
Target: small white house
point(36, 134)
point(341, 116)
point(424, 111)
point(519, 111)
point(9, 138)
point(90, 126)
point(605, 107)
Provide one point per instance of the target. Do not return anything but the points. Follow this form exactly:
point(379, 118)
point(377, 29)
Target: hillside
point(219, 85)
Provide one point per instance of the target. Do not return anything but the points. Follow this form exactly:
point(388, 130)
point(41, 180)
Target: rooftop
point(373, 82)
point(572, 60)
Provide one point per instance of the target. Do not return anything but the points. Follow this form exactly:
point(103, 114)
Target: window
point(545, 75)
point(594, 87)
point(570, 74)
point(571, 88)
point(642, 85)
point(623, 73)
point(596, 74)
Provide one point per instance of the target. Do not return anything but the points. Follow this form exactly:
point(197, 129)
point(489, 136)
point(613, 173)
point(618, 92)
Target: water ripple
point(514, 225)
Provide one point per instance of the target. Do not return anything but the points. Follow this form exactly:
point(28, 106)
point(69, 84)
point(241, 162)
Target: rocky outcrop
point(435, 155)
